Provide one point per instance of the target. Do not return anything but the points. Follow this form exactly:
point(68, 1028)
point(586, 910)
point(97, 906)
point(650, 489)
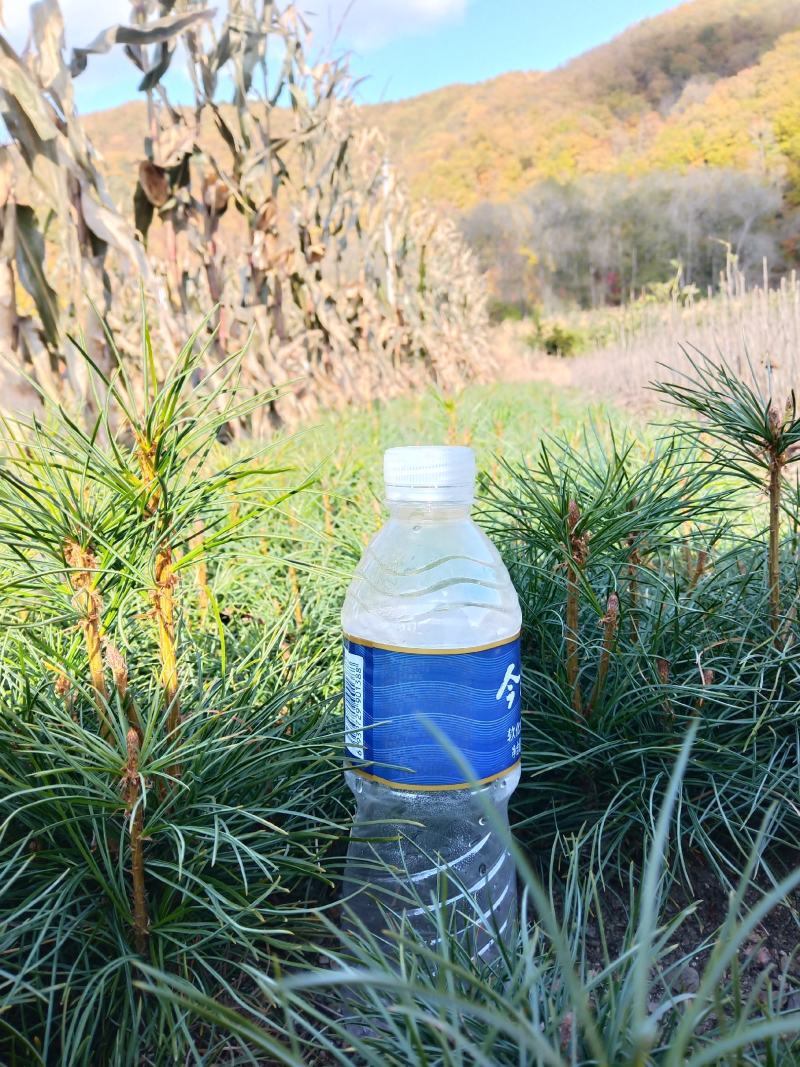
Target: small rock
point(688, 979)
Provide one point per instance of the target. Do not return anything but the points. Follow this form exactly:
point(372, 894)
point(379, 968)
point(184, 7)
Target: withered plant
point(271, 202)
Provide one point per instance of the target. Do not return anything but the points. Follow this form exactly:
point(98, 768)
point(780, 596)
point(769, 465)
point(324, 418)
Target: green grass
point(512, 416)
point(541, 1003)
point(170, 678)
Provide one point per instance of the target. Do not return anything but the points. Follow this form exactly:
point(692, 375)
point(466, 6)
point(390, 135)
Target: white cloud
point(83, 19)
point(364, 24)
point(368, 24)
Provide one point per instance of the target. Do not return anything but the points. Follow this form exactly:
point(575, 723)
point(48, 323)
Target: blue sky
point(399, 47)
point(483, 38)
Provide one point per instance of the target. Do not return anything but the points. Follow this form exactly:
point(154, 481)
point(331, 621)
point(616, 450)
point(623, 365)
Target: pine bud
point(118, 667)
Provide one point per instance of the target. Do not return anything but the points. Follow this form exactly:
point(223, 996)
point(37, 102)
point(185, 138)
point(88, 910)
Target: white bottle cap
point(430, 473)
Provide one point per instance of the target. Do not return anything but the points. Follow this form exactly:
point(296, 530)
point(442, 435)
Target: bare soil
point(773, 947)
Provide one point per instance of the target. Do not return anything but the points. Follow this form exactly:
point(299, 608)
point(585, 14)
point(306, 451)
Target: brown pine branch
point(700, 568)
point(663, 677)
point(610, 623)
point(706, 679)
point(132, 793)
point(164, 610)
point(773, 552)
point(63, 688)
point(578, 544)
point(571, 622)
point(119, 673)
point(634, 562)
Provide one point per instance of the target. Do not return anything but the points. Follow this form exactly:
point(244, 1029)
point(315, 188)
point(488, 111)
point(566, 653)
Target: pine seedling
point(119, 673)
point(96, 529)
point(639, 695)
point(587, 515)
point(98, 524)
point(113, 528)
point(756, 436)
point(699, 568)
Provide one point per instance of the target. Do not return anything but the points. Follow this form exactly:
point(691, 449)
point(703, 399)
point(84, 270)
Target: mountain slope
point(749, 121)
point(631, 104)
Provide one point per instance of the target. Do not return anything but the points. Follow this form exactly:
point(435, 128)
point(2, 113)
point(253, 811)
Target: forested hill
point(714, 82)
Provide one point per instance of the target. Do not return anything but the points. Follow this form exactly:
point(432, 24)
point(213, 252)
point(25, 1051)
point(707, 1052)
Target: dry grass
point(757, 327)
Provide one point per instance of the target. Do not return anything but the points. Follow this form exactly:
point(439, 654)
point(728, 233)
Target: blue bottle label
point(399, 703)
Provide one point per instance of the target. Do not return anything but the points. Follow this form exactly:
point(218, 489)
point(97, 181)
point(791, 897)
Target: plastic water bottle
point(431, 633)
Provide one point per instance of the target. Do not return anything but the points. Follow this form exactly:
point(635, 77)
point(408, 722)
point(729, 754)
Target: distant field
point(508, 417)
point(618, 352)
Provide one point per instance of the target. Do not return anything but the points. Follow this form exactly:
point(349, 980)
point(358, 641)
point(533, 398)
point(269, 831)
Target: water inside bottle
point(432, 698)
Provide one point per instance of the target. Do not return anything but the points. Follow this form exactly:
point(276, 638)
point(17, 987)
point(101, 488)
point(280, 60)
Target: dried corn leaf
point(154, 74)
point(30, 256)
point(136, 36)
point(109, 226)
point(154, 183)
point(17, 84)
point(48, 35)
point(29, 119)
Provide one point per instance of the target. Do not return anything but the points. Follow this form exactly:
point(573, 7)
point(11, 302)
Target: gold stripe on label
point(432, 651)
point(432, 788)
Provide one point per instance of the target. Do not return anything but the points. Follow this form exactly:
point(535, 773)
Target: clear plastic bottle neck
point(429, 510)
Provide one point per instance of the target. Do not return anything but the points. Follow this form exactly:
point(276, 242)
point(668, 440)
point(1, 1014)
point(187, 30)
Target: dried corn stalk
point(277, 208)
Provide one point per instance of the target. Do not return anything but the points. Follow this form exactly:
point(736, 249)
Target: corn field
point(266, 199)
